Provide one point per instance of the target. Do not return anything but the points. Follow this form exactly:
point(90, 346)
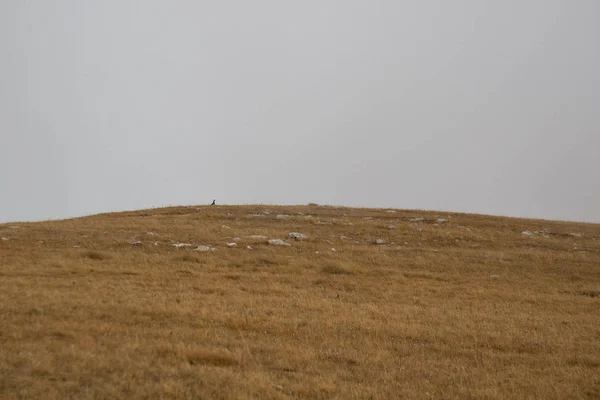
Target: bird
point(213, 203)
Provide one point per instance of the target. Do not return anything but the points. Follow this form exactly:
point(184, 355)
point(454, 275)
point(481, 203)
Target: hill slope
point(468, 307)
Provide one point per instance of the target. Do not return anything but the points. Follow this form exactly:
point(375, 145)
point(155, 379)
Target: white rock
point(225, 227)
point(297, 236)
point(282, 216)
point(204, 248)
point(494, 276)
point(76, 247)
point(148, 233)
point(179, 245)
point(527, 233)
point(278, 242)
point(391, 211)
point(391, 227)
point(380, 241)
point(344, 237)
point(231, 244)
point(136, 243)
point(249, 247)
point(333, 249)
point(417, 219)
point(4, 238)
point(441, 220)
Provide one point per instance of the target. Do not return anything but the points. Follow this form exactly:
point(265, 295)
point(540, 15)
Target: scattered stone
point(231, 244)
point(156, 243)
point(441, 220)
point(4, 239)
point(344, 237)
point(257, 237)
point(76, 247)
point(297, 236)
point(267, 212)
point(578, 235)
point(495, 276)
point(278, 242)
point(417, 219)
point(391, 227)
point(300, 213)
point(147, 233)
point(225, 227)
point(406, 243)
point(282, 216)
point(179, 245)
point(136, 243)
point(380, 241)
point(204, 248)
point(527, 233)
point(333, 249)
point(249, 247)
point(391, 211)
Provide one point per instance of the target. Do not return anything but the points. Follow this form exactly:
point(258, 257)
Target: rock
point(179, 245)
point(278, 242)
point(297, 236)
point(231, 244)
point(225, 227)
point(391, 211)
point(76, 247)
point(441, 220)
point(419, 229)
point(249, 247)
point(417, 219)
point(494, 276)
point(578, 235)
point(344, 237)
point(333, 249)
point(282, 216)
point(527, 233)
point(257, 237)
point(136, 243)
point(380, 241)
point(236, 239)
point(391, 227)
point(204, 248)
point(4, 239)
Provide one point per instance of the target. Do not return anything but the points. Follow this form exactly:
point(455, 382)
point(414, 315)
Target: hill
point(371, 304)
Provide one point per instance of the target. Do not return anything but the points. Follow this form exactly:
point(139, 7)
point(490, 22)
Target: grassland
point(466, 308)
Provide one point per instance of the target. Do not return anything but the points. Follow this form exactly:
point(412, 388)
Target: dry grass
point(468, 308)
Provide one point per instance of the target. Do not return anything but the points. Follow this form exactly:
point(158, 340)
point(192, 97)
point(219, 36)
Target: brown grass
point(469, 308)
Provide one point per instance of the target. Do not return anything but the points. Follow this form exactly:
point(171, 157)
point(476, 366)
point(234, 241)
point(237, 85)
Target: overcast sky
point(476, 106)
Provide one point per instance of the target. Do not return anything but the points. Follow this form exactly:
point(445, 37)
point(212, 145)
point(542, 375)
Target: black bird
point(213, 203)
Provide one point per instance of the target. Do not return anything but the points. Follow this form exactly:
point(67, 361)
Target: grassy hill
point(374, 304)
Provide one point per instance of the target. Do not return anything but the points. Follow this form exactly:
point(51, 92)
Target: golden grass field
point(467, 308)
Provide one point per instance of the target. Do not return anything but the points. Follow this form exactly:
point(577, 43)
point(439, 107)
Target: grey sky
point(476, 106)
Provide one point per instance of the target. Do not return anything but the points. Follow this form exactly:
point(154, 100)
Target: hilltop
point(194, 302)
